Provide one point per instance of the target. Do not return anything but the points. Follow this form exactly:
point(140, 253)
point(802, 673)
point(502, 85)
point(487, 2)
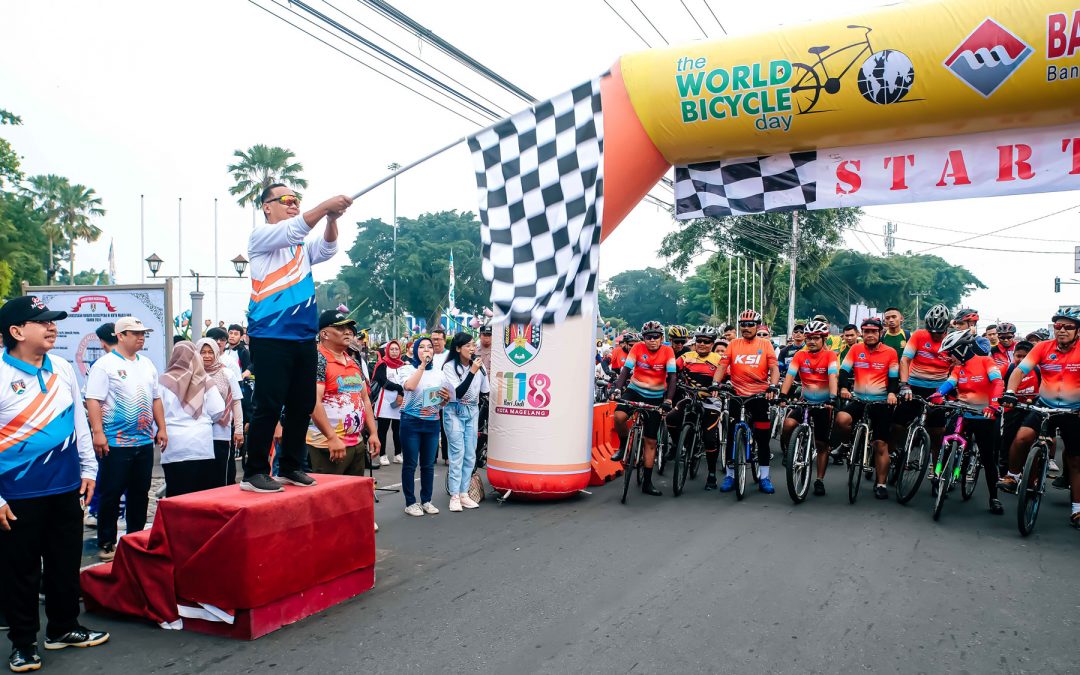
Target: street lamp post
point(394, 166)
point(154, 263)
point(239, 264)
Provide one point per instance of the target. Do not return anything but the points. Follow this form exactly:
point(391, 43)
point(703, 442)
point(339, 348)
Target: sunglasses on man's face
point(704, 341)
point(285, 200)
point(653, 336)
point(1007, 336)
point(1065, 326)
point(747, 324)
point(762, 333)
point(678, 341)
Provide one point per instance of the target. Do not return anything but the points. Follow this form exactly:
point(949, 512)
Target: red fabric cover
point(238, 550)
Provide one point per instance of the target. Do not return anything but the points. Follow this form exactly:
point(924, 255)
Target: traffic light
point(1057, 284)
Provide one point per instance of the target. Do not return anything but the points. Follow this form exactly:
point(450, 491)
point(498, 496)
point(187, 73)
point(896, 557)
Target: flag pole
point(411, 165)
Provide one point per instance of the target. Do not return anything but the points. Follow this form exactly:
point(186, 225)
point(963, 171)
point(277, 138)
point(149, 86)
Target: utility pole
point(394, 166)
point(142, 238)
point(179, 254)
point(917, 296)
point(791, 271)
point(890, 240)
point(217, 281)
point(727, 317)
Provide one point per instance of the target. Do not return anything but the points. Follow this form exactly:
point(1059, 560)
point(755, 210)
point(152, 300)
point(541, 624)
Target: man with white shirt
point(282, 323)
point(46, 467)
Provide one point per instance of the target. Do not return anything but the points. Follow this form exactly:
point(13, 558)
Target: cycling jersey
point(748, 364)
point(700, 369)
point(1002, 356)
point(649, 370)
point(1060, 372)
point(928, 368)
point(618, 358)
point(1028, 389)
point(875, 372)
point(814, 370)
point(977, 382)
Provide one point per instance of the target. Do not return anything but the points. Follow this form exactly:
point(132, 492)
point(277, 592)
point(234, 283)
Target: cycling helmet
point(652, 327)
point(872, 322)
point(750, 315)
point(1069, 314)
point(816, 327)
point(1005, 328)
point(959, 343)
point(705, 331)
point(937, 319)
point(971, 315)
point(1040, 334)
point(678, 333)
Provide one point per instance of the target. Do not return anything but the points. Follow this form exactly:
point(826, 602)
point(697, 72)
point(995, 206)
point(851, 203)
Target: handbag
point(476, 487)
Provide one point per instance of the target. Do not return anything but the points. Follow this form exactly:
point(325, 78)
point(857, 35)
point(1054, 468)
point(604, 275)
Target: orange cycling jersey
point(749, 363)
point(618, 359)
point(1060, 372)
point(814, 369)
point(699, 369)
point(977, 382)
point(649, 370)
point(872, 370)
point(928, 368)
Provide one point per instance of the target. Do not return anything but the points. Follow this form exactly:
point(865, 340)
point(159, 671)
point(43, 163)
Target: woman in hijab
point(424, 396)
point(388, 376)
point(231, 424)
point(192, 404)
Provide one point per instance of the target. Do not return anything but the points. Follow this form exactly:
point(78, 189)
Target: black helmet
point(937, 319)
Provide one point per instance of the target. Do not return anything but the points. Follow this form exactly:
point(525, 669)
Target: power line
point(977, 236)
point(632, 29)
point(722, 29)
point(693, 18)
point(649, 21)
point(955, 231)
point(972, 248)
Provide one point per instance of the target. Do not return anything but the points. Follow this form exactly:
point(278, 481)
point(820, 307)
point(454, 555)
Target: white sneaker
point(376, 527)
point(467, 501)
point(397, 459)
point(414, 510)
point(383, 461)
point(1053, 468)
point(90, 521)
point(429, 508)
point(455, 504)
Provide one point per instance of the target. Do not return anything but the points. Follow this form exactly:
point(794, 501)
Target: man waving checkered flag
point(541, 179)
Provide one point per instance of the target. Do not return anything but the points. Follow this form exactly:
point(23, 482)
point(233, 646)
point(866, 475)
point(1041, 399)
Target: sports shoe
point(297, 478)
point(455, 504)
point(728, 484)
point(1008, 484)
point(397, 459)
point(765, 485)
point(384, 461)
point(468, 501)
point(429, 508)
point(414, 510)
point(1052, 468)
point(881, 492)
point(710, 482)
point(1074, 520)
point(107, 553)
point(80, 637)
point(24, 659)
point(1061, 482)
point(819, 488)
point(617, 456)
point(376, 527)
point(260, 482)
point(996, 508)
point(90, 521)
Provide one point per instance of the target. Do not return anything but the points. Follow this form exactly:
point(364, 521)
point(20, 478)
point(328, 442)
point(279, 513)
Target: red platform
point(265, 559)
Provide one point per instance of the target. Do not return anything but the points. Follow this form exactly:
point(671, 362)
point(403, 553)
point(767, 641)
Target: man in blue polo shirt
point(46, 467)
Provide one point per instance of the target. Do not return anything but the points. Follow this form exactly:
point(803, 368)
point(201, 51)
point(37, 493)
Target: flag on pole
point(452, 306)
point(540, 176)
point(112, 264)
point(738, 187)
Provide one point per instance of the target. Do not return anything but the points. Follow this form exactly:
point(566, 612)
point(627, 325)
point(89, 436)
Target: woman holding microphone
point(465, 378)
point(424, 395)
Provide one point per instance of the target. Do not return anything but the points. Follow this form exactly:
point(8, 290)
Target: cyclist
point(833, 342)
point(976, 381)
point(871, 371)
point(618, 355)
point(750, 362)
point(698, 367)
point(798, 339)
point(730, 333)
point(650, 369)
point(1002, 352)
point(679, 336)
point(1026, 392)
point(1058, 361)
point(895, 336)
point(923, 368)
point(1038, 335)
point(849, 338)
point(968, 319)
point(720, 346)
point(818, 370)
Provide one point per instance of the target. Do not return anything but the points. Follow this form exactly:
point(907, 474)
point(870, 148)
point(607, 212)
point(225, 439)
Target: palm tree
point(261, 166)
point(76, 205)
point(44, 192)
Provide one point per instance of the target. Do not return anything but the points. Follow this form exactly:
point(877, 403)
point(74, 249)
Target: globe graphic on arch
point(886, 77)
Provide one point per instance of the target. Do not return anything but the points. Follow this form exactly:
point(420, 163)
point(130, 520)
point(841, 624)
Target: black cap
point(19, 310)
point(333, 317)
point(485, 329)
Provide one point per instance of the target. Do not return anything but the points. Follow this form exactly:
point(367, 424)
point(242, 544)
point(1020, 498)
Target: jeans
point(124, 470)
point(420, 443)
point(459, 422)
point(388, 424)
point(285, 378)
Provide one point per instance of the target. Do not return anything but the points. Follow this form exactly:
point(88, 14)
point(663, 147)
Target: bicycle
point(914, 457)
point(954, 458)
point(802, 453)
point(689, 449)
point(744, 439)
point(1033, 481)
point(862, 454)
point(634, 459)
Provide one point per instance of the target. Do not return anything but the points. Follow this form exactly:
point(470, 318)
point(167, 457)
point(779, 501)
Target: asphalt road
point(700, 583)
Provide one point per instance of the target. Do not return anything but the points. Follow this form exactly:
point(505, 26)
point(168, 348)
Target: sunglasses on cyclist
point(678, 341)
point(762, 333)
point(1007, 336)
point(653, 336)
point(1064, 326)
point(285, 200)
point(747, 324)
point(704, 341)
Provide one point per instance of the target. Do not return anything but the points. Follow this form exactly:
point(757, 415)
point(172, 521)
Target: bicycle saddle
point(818, 50)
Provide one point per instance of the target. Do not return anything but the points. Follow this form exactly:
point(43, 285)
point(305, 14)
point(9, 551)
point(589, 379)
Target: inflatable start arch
point(922, 101)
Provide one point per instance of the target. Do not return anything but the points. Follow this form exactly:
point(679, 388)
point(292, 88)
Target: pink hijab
point(186, 378)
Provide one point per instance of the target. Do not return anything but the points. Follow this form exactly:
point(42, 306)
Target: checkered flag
point(540, 175)
point(737, 187)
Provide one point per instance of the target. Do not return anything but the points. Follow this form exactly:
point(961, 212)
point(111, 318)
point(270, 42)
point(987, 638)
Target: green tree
point(260, 166)
point(422, 265)
point(9, 160)
point(90, 277)
point(75, 206)
point(650, 294)
point(23, 246)
point(44, 191)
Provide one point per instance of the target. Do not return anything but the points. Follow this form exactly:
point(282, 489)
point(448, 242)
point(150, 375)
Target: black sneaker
point(1061, 482)
point(819, 488)
point(881, 492)
point(80, 637)
point(260, 483)
point(710, 482)
point(617, 456)
point(996, 508)
point(24, 659)
point(297, 478)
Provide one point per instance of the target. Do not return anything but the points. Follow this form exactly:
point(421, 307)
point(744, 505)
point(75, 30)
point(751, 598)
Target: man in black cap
point(484, 350)
point(47, 472)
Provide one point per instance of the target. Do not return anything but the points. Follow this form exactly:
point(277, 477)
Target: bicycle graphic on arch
point(885, 77)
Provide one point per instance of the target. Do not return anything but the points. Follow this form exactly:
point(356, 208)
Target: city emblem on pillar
point(522, 342)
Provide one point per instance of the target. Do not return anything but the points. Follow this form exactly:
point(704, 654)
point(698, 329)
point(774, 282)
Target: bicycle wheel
point(945, 477)
point(1032, 485)
point(742, 441)
point(969, 475)
point(799, 464)
point(630, 461)
point(914, 459)
point(684, 451)
point(856, 462)
point(807, 88)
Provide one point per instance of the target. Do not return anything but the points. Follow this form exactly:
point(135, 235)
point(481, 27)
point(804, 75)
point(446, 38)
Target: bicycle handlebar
point(959, 405)
point(640, 406)
point(1045, 411)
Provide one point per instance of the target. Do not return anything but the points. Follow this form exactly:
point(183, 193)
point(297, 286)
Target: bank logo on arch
point(522, 342)
point(988, 57)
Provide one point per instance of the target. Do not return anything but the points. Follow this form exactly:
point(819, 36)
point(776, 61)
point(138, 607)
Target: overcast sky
point(149, 98)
